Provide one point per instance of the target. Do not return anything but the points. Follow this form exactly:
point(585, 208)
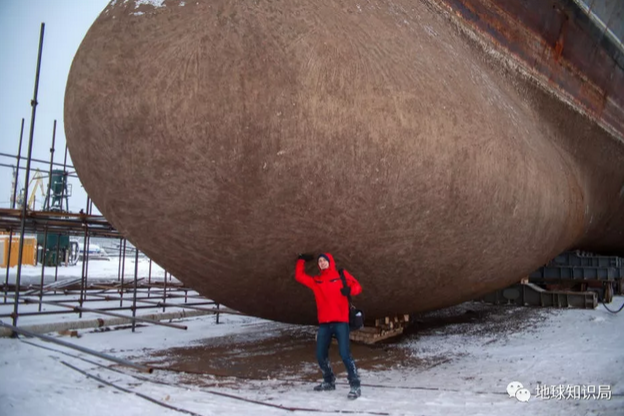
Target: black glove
point(346, 291)
point(306, 257)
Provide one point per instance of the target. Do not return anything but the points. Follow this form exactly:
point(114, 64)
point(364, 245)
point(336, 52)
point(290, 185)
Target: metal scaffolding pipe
point(101, 288)
point(10, 219)
point(9, 315)
point(119, 262)
point(43, 261)
point(105, 296)
point(98, 311)
point(58, 247)
point(6, 165)
point(64, 181)
point(65, 311)
point(19, 156)
point(46, 204)
point(193, 306)
point(123, 270)
point(95, 289)
point(134, 295)
point(149, 278)
point(165, 291)
point(34, 160)
point(6, 279)
point(186, 296)
point(13, 201)
point(25, 205)
point(47, 338)
point(158, 304)
point(85, 252)
point(99, 297)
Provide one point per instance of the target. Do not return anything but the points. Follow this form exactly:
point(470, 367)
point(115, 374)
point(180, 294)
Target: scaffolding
point(69, 295)
point(115, 297)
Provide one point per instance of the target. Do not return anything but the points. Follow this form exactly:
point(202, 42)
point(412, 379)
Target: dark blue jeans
point(323, 341)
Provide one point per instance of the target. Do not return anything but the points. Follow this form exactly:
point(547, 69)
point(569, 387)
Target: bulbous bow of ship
point(224, 137)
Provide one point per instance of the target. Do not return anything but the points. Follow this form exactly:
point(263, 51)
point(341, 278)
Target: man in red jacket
point(332, 308)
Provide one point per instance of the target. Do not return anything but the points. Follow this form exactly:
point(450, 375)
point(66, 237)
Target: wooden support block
point(69, 333)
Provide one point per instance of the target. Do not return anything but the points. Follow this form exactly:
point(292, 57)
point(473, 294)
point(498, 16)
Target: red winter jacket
point(331, 305)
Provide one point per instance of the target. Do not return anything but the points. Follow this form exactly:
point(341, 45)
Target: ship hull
point(223, 138)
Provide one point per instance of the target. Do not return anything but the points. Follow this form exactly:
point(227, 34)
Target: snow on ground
point(468, 355)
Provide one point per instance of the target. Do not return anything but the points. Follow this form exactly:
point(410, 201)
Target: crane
point(37, 179)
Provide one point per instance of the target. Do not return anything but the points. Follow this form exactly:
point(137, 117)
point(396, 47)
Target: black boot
point(354, 393)
point(326, 386)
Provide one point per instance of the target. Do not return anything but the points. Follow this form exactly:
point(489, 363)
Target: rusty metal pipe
point(89, 351)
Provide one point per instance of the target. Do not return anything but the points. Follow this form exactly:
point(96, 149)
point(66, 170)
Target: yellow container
point(29, 255)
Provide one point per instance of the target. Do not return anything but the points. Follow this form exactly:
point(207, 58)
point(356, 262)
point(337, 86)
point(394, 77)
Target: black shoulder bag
point(356, 316)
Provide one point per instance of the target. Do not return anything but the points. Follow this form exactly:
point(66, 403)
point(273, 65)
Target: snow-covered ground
point(463, 360)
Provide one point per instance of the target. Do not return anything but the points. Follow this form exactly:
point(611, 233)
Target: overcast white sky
point(66, 23)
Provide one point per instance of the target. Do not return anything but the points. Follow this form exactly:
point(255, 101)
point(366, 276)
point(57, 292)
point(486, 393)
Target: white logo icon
point(517, 390)
point(523, 395)
point(513, 387)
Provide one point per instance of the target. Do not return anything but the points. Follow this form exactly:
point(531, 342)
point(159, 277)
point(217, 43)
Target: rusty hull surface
point(224, 137)
point(557, 42)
